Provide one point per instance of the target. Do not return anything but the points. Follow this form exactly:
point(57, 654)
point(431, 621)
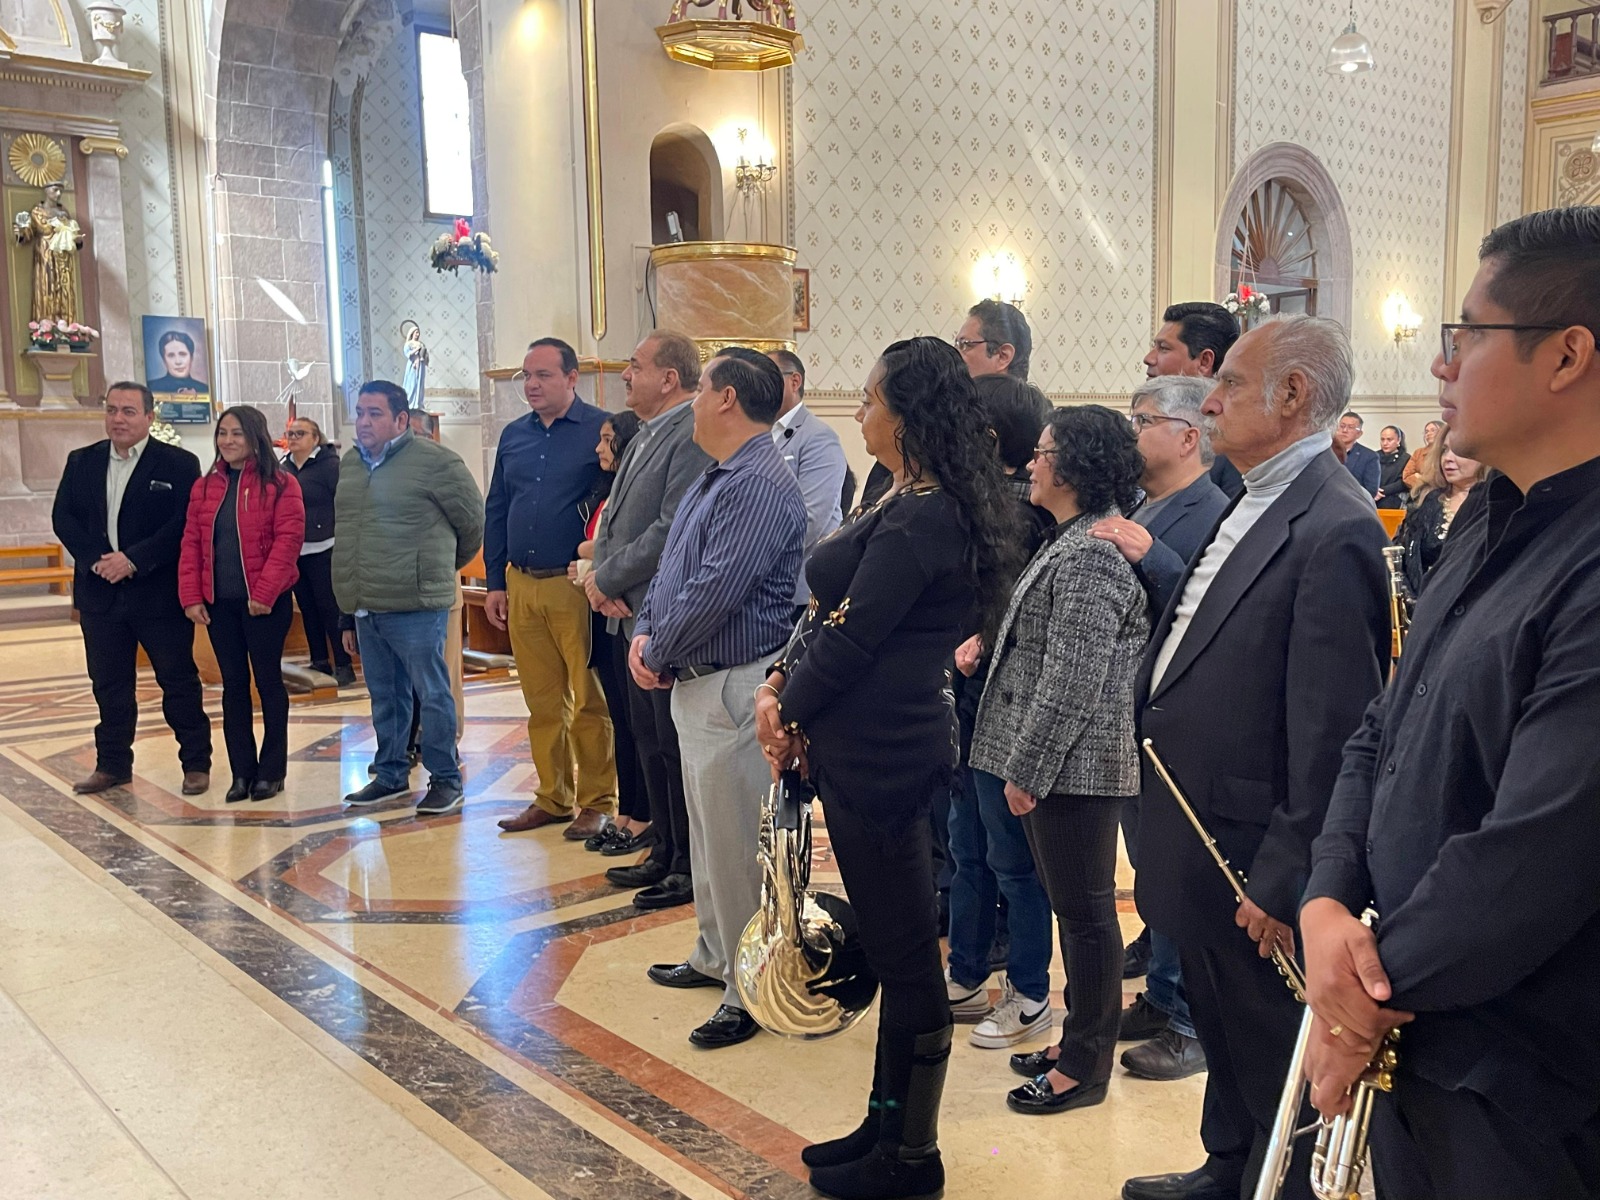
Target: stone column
point(109, 246)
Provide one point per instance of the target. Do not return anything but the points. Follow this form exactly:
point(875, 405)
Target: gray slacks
point(725, 778)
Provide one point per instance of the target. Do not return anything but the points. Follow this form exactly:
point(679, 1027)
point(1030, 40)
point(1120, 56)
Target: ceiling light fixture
point(1350, 51)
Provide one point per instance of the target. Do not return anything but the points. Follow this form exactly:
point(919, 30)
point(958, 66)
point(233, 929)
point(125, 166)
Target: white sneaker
point(966, 1004)
point(1014, 1019)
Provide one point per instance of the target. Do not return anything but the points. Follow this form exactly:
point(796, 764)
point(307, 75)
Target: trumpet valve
point(1382, 1081)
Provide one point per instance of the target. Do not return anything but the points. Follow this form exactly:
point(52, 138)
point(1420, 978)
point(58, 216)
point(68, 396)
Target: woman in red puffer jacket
point(239, 561)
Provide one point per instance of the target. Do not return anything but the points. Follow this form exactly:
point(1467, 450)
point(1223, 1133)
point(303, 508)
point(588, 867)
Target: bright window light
point(330, 248)
point(446, 135)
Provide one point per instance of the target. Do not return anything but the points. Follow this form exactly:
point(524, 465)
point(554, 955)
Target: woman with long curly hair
point(861, 699)
point(1055, 733)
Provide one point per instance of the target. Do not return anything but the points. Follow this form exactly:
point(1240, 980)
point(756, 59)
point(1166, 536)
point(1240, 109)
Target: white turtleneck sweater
point(1263, 484)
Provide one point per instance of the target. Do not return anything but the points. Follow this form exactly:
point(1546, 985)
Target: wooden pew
point(54, 571)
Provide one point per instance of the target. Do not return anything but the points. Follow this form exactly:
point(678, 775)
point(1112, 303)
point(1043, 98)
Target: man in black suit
point(1181, 507)
point(1358, 460)
point(1257, 673)
point(1194, 339)
point(120, 510)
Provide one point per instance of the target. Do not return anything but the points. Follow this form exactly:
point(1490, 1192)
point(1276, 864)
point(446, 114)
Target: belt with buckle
point(684, 674)
point(540, 572)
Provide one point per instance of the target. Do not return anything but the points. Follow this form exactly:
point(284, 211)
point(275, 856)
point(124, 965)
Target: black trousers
point(111, 642)
point(1074, 844)
point(888, 876)
point(319, 611)
point(1432, 1144)
point(1247, 1020)
point(655, 738)
point(246, 646)
point(632, 799)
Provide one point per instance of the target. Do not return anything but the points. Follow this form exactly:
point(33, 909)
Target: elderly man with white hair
point(1256, 675)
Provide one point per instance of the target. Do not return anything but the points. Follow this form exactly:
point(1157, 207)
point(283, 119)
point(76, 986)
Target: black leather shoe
point(344, 676)
point(1141, 1020)
point(608, 834)
point(669, 893)
point(681, 975)
point(1136, 958)
point(1167, 1056)
point(265, 789)
point(628, 843)
point(239, 791)
point(1191, 1185)
point(728, 1026)
point(640, 875)
point(1034, 1063)
point(1037, 1096)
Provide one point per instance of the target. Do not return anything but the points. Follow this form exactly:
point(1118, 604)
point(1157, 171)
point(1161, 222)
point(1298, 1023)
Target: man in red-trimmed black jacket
point(119, 511)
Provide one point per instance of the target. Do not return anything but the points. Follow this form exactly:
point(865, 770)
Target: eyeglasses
point(296, 433)
point(1448, 335)
point(964, 344)
point(1142, 421)
point(1042, 451)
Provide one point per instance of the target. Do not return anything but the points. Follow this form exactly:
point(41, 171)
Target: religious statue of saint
point(56, 239)
point(416, 376)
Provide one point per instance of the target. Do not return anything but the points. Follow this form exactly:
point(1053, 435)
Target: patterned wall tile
point(1513, 113)
point(1384, 137)
point(400, 282)
point(931, 133)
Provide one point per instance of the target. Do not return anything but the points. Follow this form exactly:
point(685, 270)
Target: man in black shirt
point(1468, 808)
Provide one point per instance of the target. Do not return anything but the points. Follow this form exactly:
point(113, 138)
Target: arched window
point(1275, 250)
point(685, 179)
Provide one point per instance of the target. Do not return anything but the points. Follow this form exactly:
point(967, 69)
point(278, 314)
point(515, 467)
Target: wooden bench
point(486, 651)
point(54, 573)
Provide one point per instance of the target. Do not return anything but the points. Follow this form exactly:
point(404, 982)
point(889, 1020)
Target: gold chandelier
point(732, 42)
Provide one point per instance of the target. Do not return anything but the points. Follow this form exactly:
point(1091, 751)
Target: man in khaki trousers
point(545, 467)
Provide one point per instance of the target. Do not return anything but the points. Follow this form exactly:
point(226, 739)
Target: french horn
point(799, 967)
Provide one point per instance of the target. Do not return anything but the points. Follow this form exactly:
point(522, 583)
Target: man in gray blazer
point(812, 451)
point(656, 470)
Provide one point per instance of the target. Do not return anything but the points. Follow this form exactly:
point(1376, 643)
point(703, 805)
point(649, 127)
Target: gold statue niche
point(56, 239)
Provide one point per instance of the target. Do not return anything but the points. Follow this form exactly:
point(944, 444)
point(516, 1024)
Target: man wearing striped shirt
point(717, 611)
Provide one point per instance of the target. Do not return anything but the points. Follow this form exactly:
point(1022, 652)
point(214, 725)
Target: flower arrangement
point(161, 431)
point(1248, 304)
point(48, 334)
point(463, 248)
point(77, 336)
point(43, 334)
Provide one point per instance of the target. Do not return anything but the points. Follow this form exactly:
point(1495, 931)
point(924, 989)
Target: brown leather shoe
point(532, 817)
point(100, 781)
point(196, 782)
point(587, 825)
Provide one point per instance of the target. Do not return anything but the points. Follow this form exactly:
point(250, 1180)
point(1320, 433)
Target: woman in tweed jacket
point(1056, 726)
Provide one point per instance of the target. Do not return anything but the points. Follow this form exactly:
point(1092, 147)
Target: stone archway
point(1302, 175)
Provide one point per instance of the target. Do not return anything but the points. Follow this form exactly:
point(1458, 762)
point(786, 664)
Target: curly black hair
point(1097, 456)
point(944, 435)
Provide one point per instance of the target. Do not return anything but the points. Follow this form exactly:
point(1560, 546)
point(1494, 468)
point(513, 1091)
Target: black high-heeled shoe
point(239, 791)
point(265, 789)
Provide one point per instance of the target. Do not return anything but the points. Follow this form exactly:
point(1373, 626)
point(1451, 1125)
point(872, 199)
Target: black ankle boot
point(858, 1143)
point(905, 1162)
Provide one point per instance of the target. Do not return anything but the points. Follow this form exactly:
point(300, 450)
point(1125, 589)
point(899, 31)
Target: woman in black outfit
point(862, 699)
point(1446, 478)
point(630, 832)
point(1393, 491)
point(313, 462)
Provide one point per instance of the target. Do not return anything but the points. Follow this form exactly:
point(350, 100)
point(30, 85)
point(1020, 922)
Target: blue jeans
point(991, 851)
point(403, 653)
point(1163, 983)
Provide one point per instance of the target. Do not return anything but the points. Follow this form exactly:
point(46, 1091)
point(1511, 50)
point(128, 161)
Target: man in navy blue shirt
point(545, 467)
point(720, 606)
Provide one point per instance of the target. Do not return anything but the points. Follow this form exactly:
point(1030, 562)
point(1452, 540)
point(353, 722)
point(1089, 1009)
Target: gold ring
point(1336, 1031)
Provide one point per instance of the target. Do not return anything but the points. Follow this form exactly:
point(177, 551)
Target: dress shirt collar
point(388, 448)
point(739, 458)
point(787, 420)
point(655, 423)
point(573, 413)
point(134, 451)
point(1284, 467)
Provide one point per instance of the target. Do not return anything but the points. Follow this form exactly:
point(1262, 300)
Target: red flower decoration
point(463, 229)
point(1244, 291)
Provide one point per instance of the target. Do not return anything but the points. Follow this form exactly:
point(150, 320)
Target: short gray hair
point(1180, 396)
point(677, 352)
point(1320, 350)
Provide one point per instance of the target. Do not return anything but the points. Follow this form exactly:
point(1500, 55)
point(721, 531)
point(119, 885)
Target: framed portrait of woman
point(177, 357)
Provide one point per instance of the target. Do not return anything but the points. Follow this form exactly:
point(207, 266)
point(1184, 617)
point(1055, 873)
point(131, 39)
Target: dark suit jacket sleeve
point(1503, 899)
point(1338, 634)
point(72, 515)
point(1159, 571)
point(1339, 855)
point(1371, 473)
point(635, 563)
point(162, 547)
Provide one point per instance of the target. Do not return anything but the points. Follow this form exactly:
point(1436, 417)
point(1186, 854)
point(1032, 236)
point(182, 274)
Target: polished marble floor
point(285, 999)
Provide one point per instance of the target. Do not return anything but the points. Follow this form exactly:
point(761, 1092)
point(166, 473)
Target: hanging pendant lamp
point(1350, 51)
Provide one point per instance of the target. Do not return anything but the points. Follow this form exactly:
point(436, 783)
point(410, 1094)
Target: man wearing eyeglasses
point(1465, 812)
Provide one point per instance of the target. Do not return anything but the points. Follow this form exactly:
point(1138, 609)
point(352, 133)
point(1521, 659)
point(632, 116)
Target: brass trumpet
point(1394, 557)
point(1339, 1157)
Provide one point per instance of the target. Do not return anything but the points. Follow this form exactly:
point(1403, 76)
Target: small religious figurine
point(56, 239)
point(416, 377)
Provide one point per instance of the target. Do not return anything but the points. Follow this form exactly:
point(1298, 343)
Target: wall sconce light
point(1401, 320)
point(750, 177)
point(1000, 277)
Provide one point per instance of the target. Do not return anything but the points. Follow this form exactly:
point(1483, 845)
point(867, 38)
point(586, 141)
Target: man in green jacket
point(409, 517)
